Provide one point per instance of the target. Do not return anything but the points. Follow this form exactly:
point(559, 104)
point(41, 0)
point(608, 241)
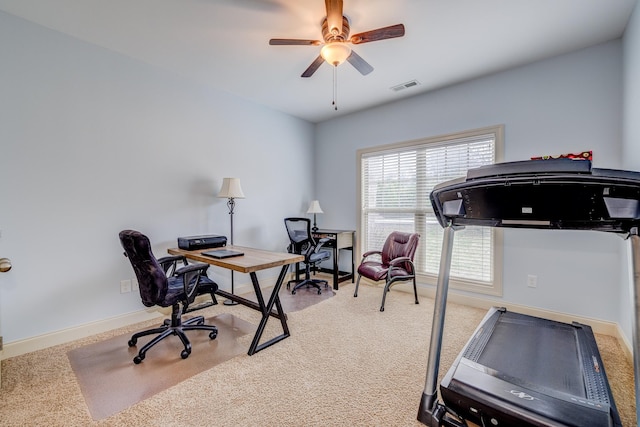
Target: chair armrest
point(171, 258)
point(369, 253)
point(320, 243)
point(198, 266)
point(169, 263)
point(399, 260)
point(403, 260)
point(192, 273)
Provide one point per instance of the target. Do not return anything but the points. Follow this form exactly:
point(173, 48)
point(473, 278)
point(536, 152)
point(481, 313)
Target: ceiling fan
point(336, 49)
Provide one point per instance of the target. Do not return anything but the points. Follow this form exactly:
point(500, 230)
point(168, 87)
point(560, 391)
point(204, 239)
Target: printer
point(193, 243)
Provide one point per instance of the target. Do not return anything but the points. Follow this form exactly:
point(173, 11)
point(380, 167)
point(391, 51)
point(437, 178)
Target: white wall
point(631, 128)
point(564, 104)
point(92, 142)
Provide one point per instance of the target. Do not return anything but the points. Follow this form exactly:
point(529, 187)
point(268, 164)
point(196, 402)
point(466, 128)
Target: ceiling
point(224, 43)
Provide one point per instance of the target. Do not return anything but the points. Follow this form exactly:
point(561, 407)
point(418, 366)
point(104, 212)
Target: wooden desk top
point(330, 231)
point(252, 260)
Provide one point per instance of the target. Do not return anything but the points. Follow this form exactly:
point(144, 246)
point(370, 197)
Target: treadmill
point(520, 370)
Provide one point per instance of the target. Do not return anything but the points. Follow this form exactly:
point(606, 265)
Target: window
point(395, 182)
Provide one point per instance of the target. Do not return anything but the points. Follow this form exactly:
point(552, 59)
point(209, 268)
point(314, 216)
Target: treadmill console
point(551, 194)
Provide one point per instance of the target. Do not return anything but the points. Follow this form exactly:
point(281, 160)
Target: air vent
point(406, 85)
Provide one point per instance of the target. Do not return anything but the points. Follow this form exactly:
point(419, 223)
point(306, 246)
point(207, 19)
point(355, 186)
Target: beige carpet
point(304, 297)
point(345, 364)
point(111, 382)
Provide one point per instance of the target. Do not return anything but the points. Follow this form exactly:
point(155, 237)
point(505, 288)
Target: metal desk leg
point(336, 264)
point(266, 311)
point(635, 315)
point(353, 261)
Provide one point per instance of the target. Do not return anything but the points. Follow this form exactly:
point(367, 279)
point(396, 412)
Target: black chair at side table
point(395, 263)
point(303, 243)
point(164, 283)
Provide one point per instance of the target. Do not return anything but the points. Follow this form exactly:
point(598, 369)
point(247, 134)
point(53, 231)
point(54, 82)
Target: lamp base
point(230, 302)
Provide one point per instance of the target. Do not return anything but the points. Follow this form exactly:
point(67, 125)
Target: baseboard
point(624, 343)
point(17, 348)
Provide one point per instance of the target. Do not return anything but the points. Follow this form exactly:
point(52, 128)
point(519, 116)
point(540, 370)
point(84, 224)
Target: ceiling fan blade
point(313, 67)
point(380, 34)
point(296, 42)
point(359, 63)
point(334, 16)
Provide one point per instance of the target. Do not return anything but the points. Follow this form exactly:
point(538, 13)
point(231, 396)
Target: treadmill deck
point(527, 371)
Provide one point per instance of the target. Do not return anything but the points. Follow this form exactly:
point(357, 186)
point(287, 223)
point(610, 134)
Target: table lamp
point(231, 190)
point(314, 208)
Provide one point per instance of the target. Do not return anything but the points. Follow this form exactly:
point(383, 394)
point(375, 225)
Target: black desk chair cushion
point(394, 263)
point(303, 243)
point(163, 282)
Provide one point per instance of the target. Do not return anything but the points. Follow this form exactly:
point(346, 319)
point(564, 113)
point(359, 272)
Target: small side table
point(338, 240)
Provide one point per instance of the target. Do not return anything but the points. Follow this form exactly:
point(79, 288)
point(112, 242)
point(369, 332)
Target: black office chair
point(164, 283)
point(303, 243)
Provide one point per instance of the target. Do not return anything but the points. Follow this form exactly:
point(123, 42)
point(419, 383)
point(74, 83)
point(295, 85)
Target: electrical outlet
point(532, 281)
point(125, 286)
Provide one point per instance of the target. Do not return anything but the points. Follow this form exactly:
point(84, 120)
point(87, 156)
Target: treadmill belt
point(520, 370)
point(536, 353)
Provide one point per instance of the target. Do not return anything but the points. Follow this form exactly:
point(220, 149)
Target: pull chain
point(335, 87)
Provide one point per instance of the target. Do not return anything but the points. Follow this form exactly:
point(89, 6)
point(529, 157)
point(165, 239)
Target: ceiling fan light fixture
point(335, 53)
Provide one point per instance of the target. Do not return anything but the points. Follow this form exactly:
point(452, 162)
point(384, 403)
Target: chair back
point(399, 244)
point(152, 280)
point(299, 231)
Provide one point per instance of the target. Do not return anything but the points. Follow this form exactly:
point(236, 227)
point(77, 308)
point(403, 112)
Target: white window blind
point(395, 185)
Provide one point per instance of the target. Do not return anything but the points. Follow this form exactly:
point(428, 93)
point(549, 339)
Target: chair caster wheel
point(293, 292)
point(137, 360)
point(213, 334)
point(319, 292)
point(381, 308)
point(132, 342)
point(185, 354)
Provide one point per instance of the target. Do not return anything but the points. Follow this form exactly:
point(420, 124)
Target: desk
point(338, 239)
point(252, 261)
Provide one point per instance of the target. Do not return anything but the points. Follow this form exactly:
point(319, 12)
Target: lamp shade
point(314, 207)
point(231, 189)
point(335, 53)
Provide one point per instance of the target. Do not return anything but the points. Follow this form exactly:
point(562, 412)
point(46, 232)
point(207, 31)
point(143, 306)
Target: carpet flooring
point(345, 364)
point(111, 382)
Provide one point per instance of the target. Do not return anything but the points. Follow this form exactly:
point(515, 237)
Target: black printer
point(193, 243)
